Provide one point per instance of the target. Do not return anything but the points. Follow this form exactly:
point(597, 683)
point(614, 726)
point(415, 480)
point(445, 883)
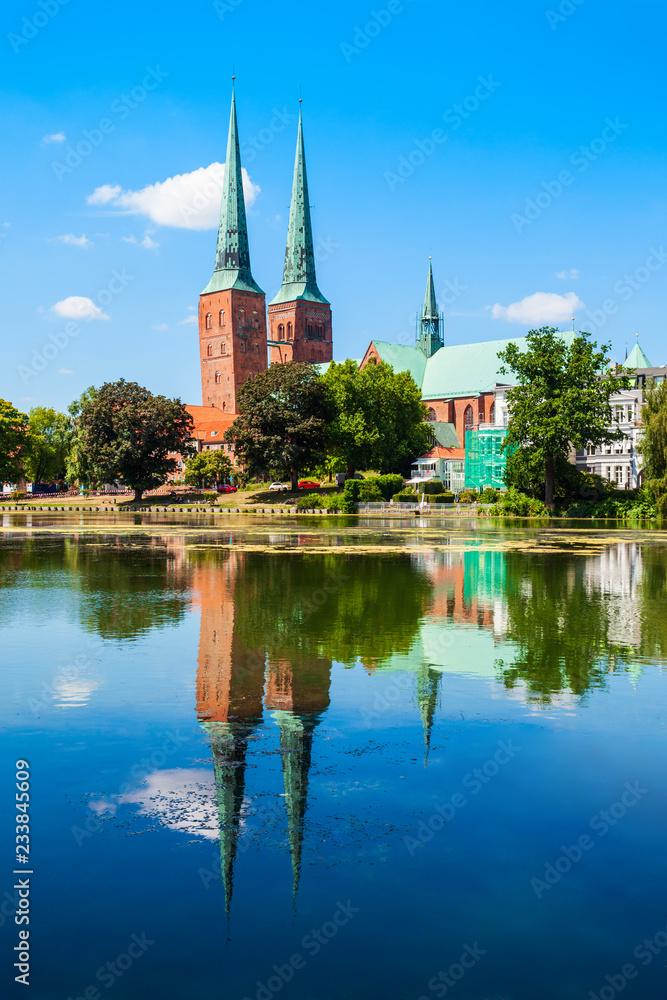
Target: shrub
point(210, 496)
point(311, 502)
point(350, 495)
point(389, 484)
point(468, 496)
point(406, 496)
point(519, 505)
point(369, 491)
point(431, 487)
point(441, 498)
point(489, 495)
point(17, 495)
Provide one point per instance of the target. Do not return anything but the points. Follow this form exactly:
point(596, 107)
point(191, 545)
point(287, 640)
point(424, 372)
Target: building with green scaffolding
point(485, 459)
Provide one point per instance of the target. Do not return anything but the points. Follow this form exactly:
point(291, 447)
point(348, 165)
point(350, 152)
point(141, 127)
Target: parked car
point(228, 489)
point(278, 487)
point(341, 477)
point(308, 484)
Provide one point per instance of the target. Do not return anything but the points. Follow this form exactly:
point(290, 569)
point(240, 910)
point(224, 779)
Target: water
point(397, 760)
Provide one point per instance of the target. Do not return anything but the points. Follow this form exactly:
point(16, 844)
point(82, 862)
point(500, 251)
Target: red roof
point(210, 422)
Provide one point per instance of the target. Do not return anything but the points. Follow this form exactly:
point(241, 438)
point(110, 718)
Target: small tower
point(430, 323)
point(299, 315)
point(232, 311)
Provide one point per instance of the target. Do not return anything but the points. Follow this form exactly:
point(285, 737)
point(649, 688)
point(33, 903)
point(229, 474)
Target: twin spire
point(232, 259)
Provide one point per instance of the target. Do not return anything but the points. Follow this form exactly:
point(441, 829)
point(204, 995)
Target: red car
point(228, 489)
point(307, 484)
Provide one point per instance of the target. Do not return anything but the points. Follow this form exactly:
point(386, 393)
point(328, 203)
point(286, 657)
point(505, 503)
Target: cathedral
point(235, 339)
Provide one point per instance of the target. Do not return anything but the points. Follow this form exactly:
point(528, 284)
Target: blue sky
point(545, 187)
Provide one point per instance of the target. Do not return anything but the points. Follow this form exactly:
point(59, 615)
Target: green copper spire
point(637, 358)
point(296, 741)
point(428, 690)
point(429, 322)
point(232, 259)
point(299, 281)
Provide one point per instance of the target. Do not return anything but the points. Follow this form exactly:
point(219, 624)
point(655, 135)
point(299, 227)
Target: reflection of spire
point(298, 693)
point(229, 744)
point(296, 742)
point(428, 691)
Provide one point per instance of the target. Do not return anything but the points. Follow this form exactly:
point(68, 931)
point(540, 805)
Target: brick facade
point(232, 344)
point(300, 331)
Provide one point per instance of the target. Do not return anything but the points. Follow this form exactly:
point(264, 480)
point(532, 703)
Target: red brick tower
point(232, 311)
point(300, 316)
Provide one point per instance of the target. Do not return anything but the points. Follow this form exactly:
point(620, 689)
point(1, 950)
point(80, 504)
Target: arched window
point(223, 347)
point(241, 317)
point(431, 414)
point(492, 414)
point(310, 329)
point(242, 347)
point(320, 332)
point(218, 377)
point(255, 319)
point(224, 405)
point(290, 332)
point(468, 418)
point(209, 321)
point(221, 318)
point(281, 332)
point(209, 350)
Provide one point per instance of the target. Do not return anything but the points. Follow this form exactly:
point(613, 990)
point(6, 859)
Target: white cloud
point(570, 275)
point(65, 371)
point(185, 201)
point(542, 307)
point(129, 239)
point(149, 244)
point(188, 319)
point(78, 307)
point(56, 137)
point(161, 327)
point(5, 223)
point(75, 241)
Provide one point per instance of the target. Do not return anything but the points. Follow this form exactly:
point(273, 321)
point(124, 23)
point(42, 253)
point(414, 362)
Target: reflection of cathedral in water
point(234, 686)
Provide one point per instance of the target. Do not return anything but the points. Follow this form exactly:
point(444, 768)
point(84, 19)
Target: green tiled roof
point(445, 434)
point(637, 358)
point(468, 369)
point(402, 358)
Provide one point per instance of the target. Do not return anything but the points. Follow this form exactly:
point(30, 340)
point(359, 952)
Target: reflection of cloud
point(179, 798)
point(73, 692)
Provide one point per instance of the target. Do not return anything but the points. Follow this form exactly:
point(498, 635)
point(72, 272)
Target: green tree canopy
point(127, 433)
point(653, 446)
point(13, 442)
point(283, 414)
point(379, 417)
point(79, 467)
point(207, 467)
point(561, 398)
point(50, 440)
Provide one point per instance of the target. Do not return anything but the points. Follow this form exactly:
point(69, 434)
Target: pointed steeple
point(296, 742)
point(637, 358)
point(430, 323)
point(428, 691)
point(232, 259)
point(299, 280)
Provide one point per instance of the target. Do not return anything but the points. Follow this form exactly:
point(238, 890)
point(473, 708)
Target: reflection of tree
point(559, 626)
point(340, 607)
point(652, 602)
point(120, 591)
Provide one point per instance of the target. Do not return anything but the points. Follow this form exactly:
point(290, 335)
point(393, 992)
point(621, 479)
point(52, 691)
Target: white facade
point(619, 462)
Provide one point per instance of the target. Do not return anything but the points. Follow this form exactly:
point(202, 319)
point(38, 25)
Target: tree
point(13, 442)
point(127, 433)
point(206, 467)
point(49, 443)
point(281, 427)
point(561, 398)
point(78, 464)
point(379, 417)
point(653, 446)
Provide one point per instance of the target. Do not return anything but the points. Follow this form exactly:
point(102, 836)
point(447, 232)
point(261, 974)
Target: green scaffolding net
point(485, 458)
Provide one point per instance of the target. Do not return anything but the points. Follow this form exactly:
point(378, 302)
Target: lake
point(326, 761)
